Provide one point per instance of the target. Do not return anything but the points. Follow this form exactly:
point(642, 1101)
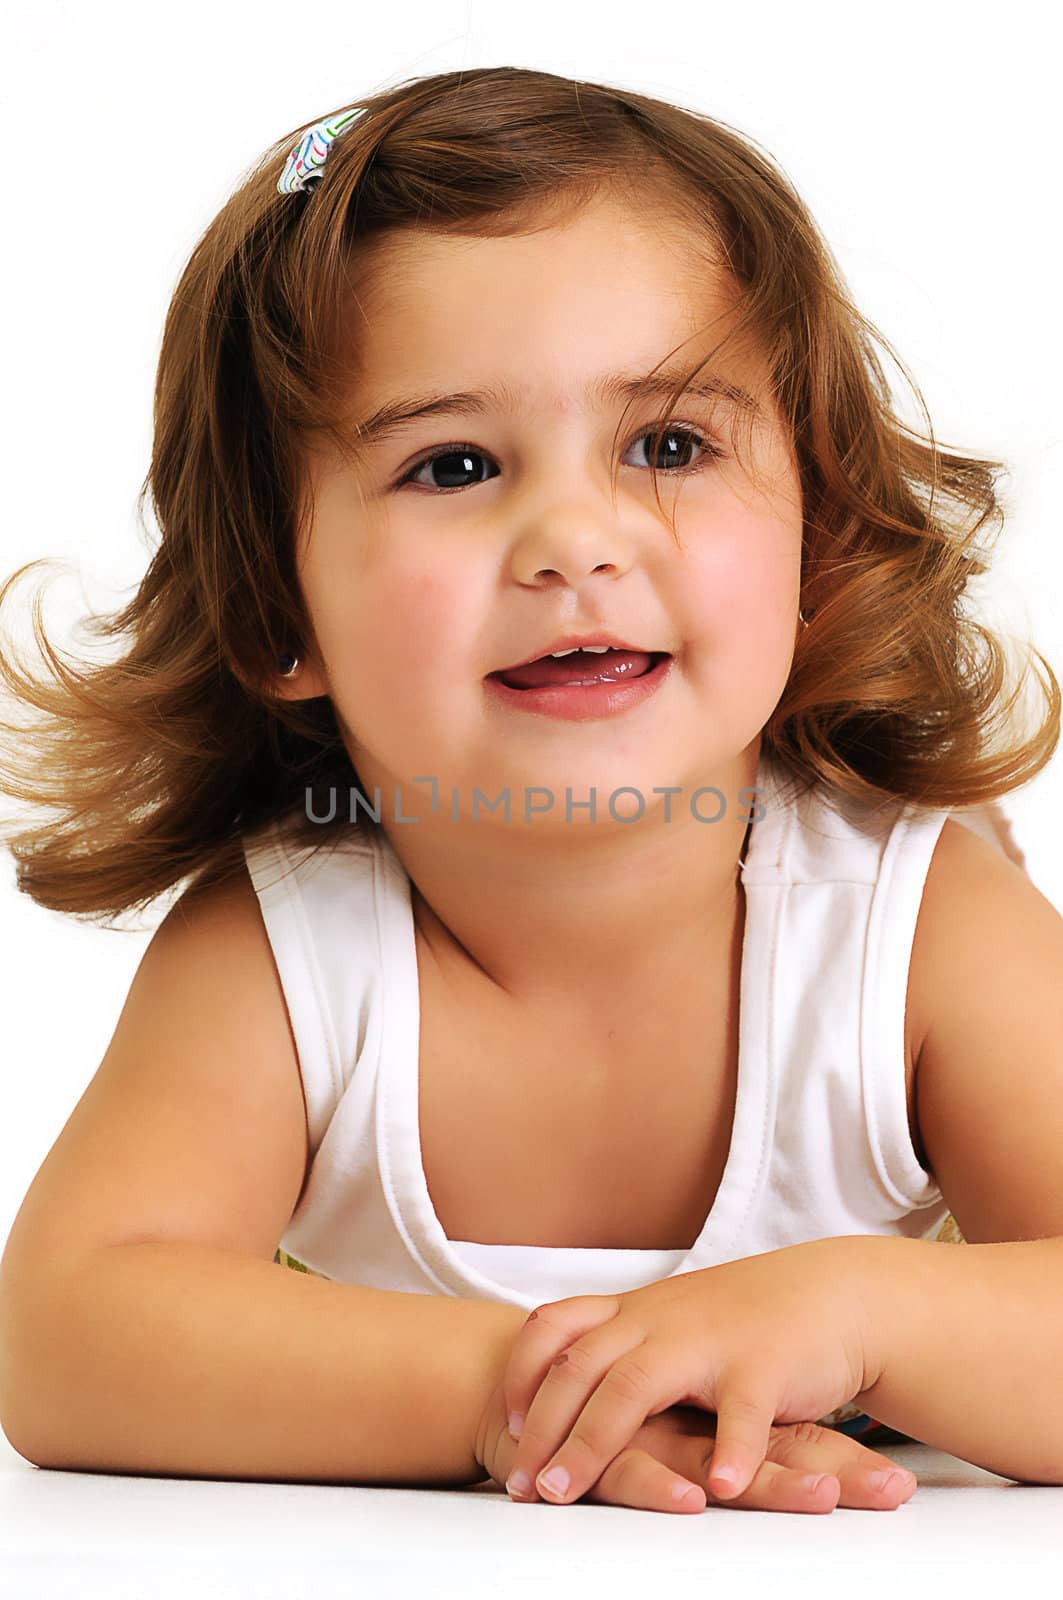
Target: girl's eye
point(458, 461)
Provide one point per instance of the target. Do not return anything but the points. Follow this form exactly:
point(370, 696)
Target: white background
point(925, 139)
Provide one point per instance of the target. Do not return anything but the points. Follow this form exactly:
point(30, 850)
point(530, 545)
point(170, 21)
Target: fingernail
point(813, 1482)
point(516, 1424)
point(725, 1475)
point(518, 1483)
point(897, 1479)
point(556, 1481)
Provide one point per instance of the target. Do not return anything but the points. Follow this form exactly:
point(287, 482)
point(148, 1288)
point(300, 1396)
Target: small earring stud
point(288, 665)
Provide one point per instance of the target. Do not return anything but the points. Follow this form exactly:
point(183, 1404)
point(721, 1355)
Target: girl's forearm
point(970, 1338)
point(196, 1362)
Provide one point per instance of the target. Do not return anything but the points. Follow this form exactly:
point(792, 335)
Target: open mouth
point(581, 667)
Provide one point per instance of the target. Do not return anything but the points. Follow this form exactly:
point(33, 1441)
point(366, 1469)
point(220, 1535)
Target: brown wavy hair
point(152, 763)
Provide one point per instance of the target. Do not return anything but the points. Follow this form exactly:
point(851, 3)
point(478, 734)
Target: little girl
point(549, 690)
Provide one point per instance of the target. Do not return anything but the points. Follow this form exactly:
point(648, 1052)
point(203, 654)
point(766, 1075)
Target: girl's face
point(422, 580)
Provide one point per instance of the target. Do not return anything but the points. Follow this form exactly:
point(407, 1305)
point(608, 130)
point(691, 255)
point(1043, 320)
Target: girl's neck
point(598, 920)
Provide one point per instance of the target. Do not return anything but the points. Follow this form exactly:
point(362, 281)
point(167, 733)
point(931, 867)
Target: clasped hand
point(780, 1337)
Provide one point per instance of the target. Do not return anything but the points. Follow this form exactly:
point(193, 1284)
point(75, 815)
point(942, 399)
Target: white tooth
point(592, 649)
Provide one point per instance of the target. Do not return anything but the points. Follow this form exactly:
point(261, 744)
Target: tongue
point(582, 666)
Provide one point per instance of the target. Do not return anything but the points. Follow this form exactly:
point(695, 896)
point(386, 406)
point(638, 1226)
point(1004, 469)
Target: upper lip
point(576, 641)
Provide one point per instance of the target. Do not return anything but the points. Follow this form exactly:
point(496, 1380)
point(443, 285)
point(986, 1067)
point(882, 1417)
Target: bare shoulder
point(967, 879)
point(987, 1011)
point(193, 1127)
point(215, 937)
point(968, 885)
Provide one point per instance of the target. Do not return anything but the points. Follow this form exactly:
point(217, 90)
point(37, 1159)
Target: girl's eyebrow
point(390, 418)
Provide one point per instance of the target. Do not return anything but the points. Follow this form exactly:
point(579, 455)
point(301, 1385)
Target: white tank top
point(820, 1145)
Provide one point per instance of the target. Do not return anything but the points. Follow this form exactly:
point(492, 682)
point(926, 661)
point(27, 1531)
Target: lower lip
point(583, 702)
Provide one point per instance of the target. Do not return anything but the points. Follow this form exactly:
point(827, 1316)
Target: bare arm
point(144, 1326)
point(970, 1346)
point(199, 1362)
point(972, 1334)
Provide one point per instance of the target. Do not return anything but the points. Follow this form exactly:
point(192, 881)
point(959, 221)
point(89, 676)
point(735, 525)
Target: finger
point(869, 1481)
point(594, 1400)
point(745, 1416)
point(548, 1331)
point(779, 1488)
point(776, 1488)
point(876, 1488)
point(638, 1480)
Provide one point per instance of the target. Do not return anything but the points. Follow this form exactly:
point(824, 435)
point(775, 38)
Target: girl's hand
point(779, 1337)
point(670, 1455)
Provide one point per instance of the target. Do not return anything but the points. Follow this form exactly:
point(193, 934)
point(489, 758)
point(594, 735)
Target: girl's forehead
point(462, 303)
point(552, 307)
point(604, 243)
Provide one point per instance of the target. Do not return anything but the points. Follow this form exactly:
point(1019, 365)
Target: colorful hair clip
point(303, 166)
